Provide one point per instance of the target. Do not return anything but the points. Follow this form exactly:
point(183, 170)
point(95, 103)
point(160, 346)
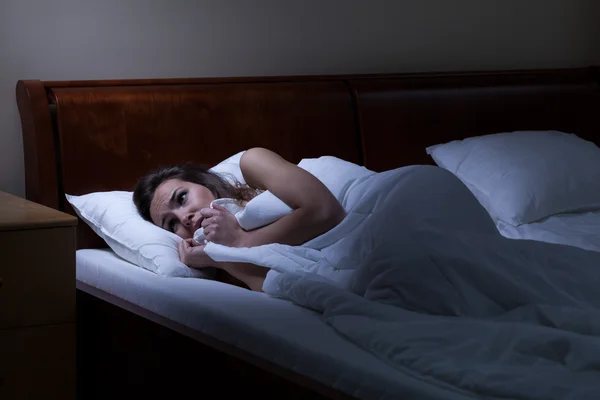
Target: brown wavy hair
point(145, 187)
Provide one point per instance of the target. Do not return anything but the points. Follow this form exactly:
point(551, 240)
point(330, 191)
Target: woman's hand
point(221, 227)
point(192, 254)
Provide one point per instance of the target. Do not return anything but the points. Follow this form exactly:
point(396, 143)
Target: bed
point(139, 335)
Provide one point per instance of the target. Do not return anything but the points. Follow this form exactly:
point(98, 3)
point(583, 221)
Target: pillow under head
point(114, 217)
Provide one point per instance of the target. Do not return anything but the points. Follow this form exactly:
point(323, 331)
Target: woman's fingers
point(216, 220)
point(209, 231)
point(188, 243)
point(182, 251)
point(192, 254)
point(209, 212)
point(220, 226)
point(206, 222)
point(220, 208)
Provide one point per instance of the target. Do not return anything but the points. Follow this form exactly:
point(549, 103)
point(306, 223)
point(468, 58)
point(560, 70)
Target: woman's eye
point(181, 198)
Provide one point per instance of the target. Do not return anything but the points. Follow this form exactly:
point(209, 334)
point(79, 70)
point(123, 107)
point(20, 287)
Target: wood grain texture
point(38, 363)
point(39, 144)
point(18, 213)
point(129, 130)
point(401, 117)
point(38, 273)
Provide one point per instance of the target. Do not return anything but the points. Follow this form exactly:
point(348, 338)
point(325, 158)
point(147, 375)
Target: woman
point(178, 199)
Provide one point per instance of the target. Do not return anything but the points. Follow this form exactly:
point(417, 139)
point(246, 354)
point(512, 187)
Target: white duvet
point(418, 274)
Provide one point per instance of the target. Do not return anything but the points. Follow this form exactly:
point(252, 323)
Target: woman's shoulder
point(258, 155)
point(259, 164)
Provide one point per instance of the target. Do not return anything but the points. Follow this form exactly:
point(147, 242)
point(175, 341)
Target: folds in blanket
point(521, 355)
point(484, 358)
point(279, 257)
point(441, 295)
point(383, 209)
point(462, 273)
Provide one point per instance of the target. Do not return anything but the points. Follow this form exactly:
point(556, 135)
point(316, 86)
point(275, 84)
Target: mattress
point(276, 330)
point(578, 229)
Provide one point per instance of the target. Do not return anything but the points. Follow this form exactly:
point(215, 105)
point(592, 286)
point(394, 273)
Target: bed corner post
point(41, 180)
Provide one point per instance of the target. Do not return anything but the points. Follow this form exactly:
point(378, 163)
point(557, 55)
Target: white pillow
point(525, 176)
point(113, 216)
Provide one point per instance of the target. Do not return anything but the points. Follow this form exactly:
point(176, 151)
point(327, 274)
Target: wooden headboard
point(84, 136)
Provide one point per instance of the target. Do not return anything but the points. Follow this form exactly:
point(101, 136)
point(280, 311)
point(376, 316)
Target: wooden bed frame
point(85, 136)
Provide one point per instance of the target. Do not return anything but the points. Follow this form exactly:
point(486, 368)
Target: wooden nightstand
point(37, 301)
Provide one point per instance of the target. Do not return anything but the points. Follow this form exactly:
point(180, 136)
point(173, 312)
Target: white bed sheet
point(578, 229)
point(276, 330)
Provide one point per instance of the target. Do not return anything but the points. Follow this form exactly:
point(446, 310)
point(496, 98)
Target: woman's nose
point(187, 219)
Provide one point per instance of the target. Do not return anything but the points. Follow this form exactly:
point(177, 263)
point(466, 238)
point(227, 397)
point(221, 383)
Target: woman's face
point(176, 206)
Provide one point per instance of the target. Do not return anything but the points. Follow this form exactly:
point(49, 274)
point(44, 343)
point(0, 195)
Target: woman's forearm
point(296, 228)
